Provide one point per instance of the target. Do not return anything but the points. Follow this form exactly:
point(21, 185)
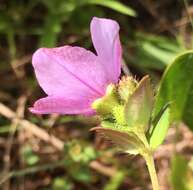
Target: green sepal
point(118, 115)
point(139, 105)
point(104, 105)
point(127, 142)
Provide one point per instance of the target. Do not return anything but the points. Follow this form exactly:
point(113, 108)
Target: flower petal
point(105, 37)
point(69, 72)
point(61, 105)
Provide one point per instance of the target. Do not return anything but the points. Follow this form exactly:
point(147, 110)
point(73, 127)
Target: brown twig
point(34, 129)
point(57, 143)
point(105, 170)
point(13, 128)
point(22, 61)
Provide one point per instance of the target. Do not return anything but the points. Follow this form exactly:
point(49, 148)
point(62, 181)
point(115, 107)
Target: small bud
point(126, 87)
point(105, 105)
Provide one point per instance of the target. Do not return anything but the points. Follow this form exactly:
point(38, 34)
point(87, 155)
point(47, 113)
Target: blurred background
point(58, 152)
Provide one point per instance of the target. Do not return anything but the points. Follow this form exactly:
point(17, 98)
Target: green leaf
point(155, 52)
point(177, 87)
point(115, 5)
point(139, 105)
point(160, 130)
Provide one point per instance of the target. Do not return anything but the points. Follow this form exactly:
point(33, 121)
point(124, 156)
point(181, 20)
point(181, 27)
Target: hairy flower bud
point(126, 87)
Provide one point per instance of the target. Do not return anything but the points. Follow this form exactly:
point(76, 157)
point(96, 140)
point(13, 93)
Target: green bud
point(126, 87)
point(105, 105)
point(125, 113)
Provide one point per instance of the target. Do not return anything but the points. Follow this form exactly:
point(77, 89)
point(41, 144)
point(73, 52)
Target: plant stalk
point(152, 172)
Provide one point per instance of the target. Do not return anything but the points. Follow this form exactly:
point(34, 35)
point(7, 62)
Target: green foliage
point(159, 130)
point(115, 5)
point(61, 11)
point(176, 87)
point(29, 156)
point(155, 52)
point(115, 181)
point(4, 129)
point(181, 177)
point(80, 152)
point(58, 12)
point(78, 155)
point(81, 173)
point(14, 15)
point(61, 183)
point(51, 30)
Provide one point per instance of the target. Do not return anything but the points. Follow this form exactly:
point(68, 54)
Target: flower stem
point(152, 172)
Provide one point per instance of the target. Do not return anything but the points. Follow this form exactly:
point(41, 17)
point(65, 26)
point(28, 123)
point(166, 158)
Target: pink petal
point(69, 72)
point(105, 37)
point(61, 105)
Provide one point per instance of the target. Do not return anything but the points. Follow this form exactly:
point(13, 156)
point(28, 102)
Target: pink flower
point(74, 77)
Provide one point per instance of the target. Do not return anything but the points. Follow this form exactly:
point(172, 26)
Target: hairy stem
point(152, 172)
